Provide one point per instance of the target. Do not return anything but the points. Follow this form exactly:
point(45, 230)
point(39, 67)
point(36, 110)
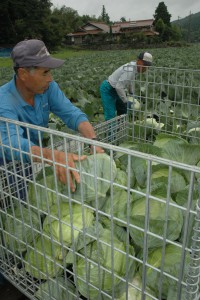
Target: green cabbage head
point(101, 265)
point(21, 228)
point(45, 259)
point(134, 290)
point(59, 289)
point(173, 264)
point(157, 221)
point(96, 173)
point(66, 221)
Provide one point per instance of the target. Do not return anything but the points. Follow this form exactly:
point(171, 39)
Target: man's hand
point(48, 156)
point(129, 104)
point(98, 149)
point(62, 172)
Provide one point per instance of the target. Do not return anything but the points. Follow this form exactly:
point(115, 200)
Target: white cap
point(146, 57)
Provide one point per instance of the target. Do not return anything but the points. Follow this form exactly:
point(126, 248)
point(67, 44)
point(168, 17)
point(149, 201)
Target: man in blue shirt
point(29, 97)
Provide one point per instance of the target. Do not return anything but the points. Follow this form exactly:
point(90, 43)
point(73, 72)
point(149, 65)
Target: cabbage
point(121, 181)
point(160, 173)
point(135, 104)
point(59, 289)
point(100, 264)
point(139, 166)
point(96, 172)
point(119, 231)
point(157, 221)
point(162, 139)
point(182, 198)
point(44, 192)
point(116, 206)
point(173, 264)
point(182, 153)
point(45, 259)
point(121, 158)
point(21, 228)
point(66, 221)
point(134, 290)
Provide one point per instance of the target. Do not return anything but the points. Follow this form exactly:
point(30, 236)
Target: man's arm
point(86, 129)
point(47, 155)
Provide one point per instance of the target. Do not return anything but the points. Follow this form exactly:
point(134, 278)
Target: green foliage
point(104, 16)
point(165, 267)
point(59, 289)
point(24, 19)
point(134, 290)
point(161, 12)
point(44, 192)
point(91, 189)
point(189, 27)
point(97, 267)
point(45, 259)
point(18, 228)
point(157, 219)
point(64, 223)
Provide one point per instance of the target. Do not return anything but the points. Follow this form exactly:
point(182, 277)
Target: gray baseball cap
point(34, 53)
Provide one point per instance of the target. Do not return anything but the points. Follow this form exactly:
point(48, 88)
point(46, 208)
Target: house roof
point(100, 25)
point(97, 27)
point(116, 28)
point(137, 23)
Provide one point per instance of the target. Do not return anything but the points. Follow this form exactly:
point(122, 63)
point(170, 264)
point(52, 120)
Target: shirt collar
point(15, 92)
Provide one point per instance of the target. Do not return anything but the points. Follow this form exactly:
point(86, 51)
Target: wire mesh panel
point(167, 100)
point(130, 229)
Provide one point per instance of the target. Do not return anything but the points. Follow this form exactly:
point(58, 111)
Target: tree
point(123, 19)
point(163, 26)
point(104, 16)
point(86, 18)
point(161, 12)
point(23, 19)
point(160, 27)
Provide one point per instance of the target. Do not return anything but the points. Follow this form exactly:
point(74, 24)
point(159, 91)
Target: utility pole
point(189, 28)
point(179, 24)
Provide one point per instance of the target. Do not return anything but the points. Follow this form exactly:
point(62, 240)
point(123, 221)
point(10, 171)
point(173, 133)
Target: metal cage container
point(131, 228)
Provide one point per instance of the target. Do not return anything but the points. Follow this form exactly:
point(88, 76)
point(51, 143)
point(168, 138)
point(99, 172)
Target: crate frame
point(111, 134)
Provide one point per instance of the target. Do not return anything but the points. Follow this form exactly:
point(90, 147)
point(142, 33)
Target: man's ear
point(22, 73)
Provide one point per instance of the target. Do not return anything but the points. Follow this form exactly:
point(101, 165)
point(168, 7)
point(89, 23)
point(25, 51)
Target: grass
point(63, 53)
point(5, 62)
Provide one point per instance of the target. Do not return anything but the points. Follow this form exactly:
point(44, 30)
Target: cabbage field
point(81, 76)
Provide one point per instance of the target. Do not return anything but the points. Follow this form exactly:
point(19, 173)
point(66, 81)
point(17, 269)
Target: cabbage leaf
point(96, 173)
point(157, 221)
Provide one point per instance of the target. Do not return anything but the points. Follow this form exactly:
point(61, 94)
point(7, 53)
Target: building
point(93, 32)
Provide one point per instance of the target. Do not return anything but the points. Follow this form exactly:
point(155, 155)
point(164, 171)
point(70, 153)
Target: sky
point(130, 9)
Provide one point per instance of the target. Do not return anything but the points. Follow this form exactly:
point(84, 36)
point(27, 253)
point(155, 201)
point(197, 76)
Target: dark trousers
point(13, 178)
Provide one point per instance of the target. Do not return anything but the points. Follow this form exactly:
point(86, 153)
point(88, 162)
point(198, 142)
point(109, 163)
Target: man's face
point(140, 66)
point(36, 80)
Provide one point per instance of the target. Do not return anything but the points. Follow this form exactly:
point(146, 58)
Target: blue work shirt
point(13, 106)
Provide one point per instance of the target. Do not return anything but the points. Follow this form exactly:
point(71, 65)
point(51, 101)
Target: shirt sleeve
point(13, 144)
point(122, 84)
point(61, 106)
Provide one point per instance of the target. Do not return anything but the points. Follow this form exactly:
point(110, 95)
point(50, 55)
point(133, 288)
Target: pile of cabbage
point(113, 238)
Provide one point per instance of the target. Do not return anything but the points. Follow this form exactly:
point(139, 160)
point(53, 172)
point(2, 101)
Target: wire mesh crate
point(130, 229)
point(167, 100)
